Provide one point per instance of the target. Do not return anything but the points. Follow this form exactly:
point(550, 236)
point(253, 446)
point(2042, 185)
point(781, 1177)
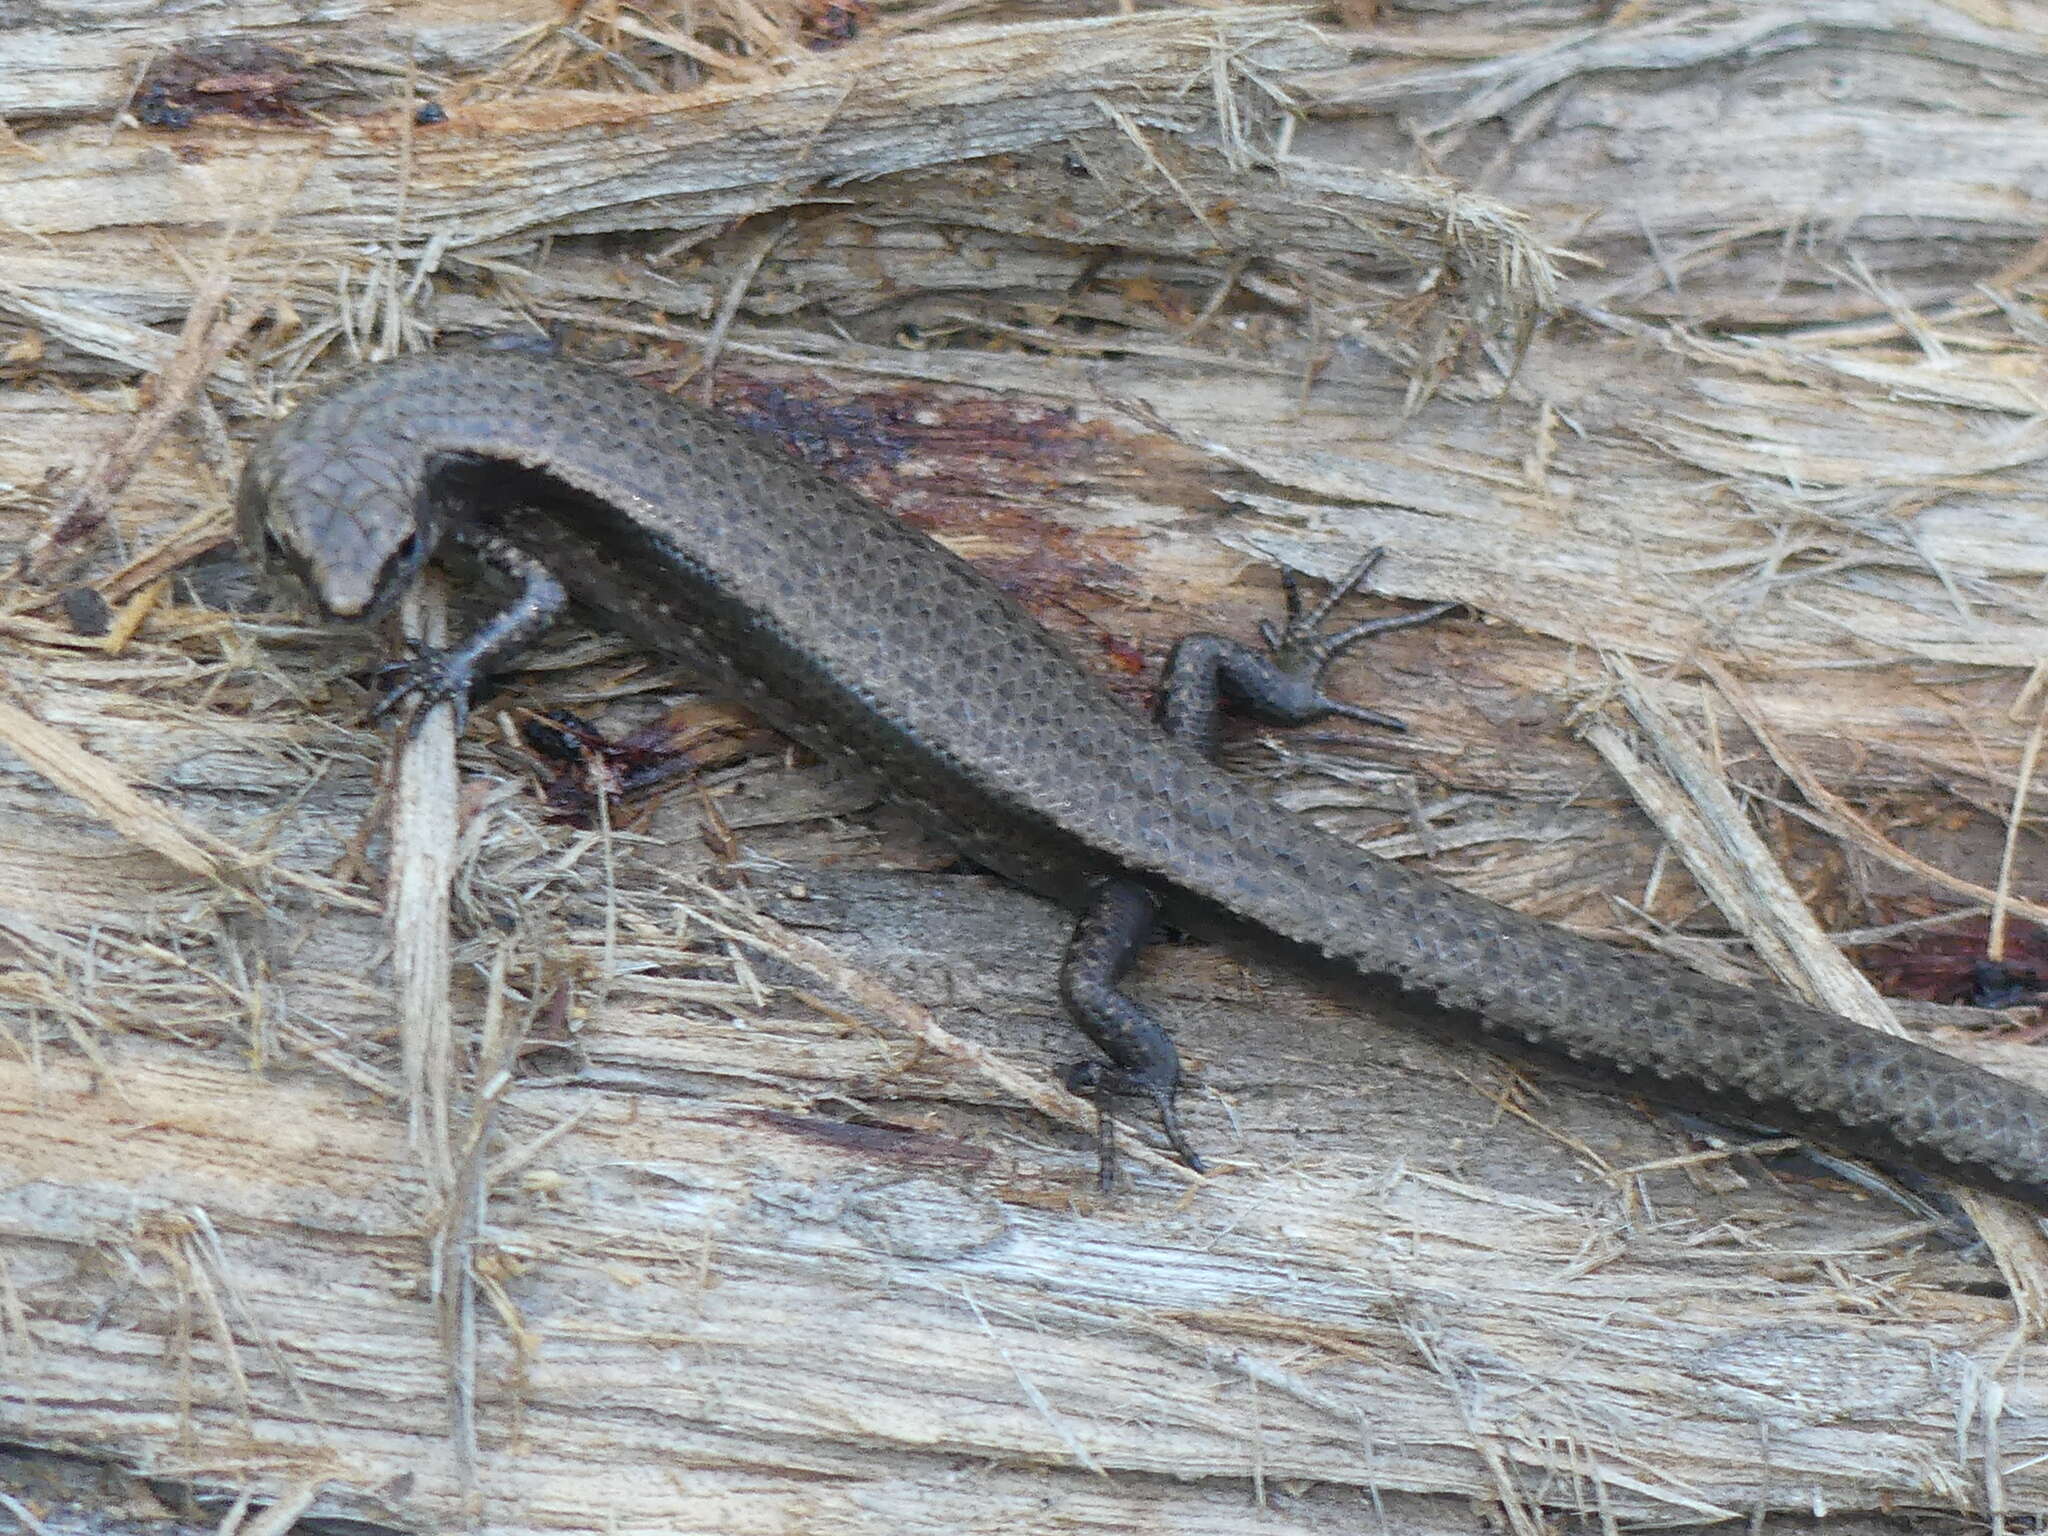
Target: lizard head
point(351, 527)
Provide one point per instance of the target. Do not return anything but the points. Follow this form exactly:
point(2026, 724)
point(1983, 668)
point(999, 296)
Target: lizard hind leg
point(1138, 1056)
point(1283, 683)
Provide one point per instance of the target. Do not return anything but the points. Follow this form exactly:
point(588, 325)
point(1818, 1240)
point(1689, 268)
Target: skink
point(864, 639)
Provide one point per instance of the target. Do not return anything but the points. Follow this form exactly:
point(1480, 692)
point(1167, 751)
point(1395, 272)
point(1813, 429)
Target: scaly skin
point(863, 638)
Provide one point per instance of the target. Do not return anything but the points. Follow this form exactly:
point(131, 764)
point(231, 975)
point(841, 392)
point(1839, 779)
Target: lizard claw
point(1103, 1084)
point(430, 675)
point(1303, 649)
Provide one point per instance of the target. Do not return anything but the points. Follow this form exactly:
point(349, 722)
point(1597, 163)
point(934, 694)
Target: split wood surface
point(1699, 350)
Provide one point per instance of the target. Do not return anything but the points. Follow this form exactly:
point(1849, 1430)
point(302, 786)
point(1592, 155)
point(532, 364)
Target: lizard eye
point(401, 565)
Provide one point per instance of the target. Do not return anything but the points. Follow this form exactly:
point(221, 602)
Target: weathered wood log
point(756, 1208)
